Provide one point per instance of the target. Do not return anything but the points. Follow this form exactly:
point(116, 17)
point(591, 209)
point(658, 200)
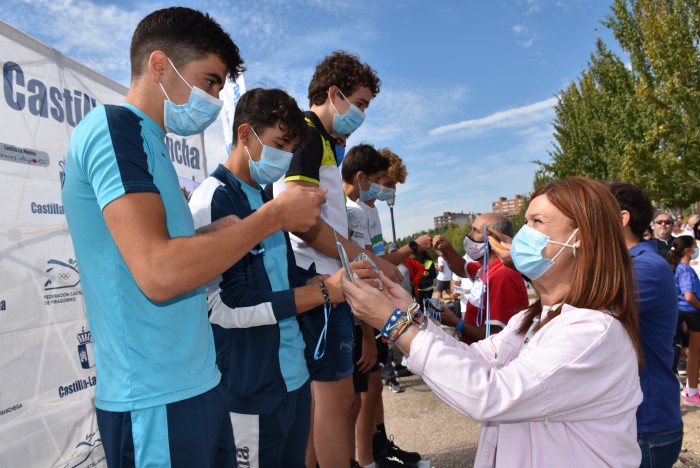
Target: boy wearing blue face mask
point(362, 168)
point(254, 304)
point(339, 94)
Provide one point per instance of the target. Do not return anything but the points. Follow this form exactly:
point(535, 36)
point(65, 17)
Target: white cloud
point(401, 111)
point(517, 116)
point(95, 34)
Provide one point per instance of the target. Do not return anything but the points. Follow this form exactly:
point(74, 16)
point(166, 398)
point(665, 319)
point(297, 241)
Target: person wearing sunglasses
point(663, 229)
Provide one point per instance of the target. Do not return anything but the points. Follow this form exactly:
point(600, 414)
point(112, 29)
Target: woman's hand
point(362, 269)
point(368, 303)
point(401, 299)
point(501, 247)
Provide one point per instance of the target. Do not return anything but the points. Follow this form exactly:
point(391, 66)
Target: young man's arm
point(425, 243)
point(455, 261)
point(165, 267)
point(322, 238)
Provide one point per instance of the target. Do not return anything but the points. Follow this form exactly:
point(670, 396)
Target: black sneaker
point(394, 385)
point(392, 453)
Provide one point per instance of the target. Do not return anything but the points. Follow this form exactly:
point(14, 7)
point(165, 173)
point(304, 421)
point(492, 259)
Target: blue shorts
point(192, 432)
point(336, 363)
point(277, 439)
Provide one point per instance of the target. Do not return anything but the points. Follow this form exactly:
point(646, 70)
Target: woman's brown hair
point(603, 275)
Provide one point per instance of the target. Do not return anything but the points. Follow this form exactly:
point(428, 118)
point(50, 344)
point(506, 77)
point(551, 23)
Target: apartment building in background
point(459, 219)
point(508, 207)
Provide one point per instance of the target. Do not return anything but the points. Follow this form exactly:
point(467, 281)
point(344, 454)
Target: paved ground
point(420, 421)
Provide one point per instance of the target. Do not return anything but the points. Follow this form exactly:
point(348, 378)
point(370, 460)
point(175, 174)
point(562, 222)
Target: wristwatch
point(414, 246)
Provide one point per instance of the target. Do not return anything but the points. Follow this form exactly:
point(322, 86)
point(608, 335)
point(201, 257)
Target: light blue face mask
point(372, 193)
point(386, 193)
point(273, 163)
point(345, 124)
point(195, 115)
point(526, 251)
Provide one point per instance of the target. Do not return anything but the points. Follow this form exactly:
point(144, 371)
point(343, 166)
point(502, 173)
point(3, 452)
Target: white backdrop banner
point(47, 373)
point(230, 95)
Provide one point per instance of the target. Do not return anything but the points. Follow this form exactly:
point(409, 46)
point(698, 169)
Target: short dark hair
point(635, 200)
point(363, 158)
point(263, 108)
point(184, 35)
point(346, 72)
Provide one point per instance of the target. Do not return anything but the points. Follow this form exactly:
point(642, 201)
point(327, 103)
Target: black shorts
point(441, 286)
point(692, 319)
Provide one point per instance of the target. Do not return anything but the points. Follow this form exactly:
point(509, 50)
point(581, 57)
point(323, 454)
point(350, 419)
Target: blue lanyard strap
point(318, 352)
point(485, 302)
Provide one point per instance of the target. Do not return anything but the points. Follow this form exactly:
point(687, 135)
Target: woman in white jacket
point(559, 385)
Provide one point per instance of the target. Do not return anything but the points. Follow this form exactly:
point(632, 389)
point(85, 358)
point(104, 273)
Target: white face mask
point(474, 249)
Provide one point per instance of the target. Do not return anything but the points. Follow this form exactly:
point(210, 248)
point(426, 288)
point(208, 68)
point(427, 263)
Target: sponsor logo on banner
point(61, 274)
point(85, 354)
point(12, 408)
point(83, 450)
point(25, 94)
point(24, 155)
point(62, 278)
point(46, 208)
point(182, 153)
point(77, 386)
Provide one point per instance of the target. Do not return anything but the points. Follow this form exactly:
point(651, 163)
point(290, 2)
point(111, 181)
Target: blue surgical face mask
point(372, 193)
point(195, 115)
point(386, 193)
point(345, 124)
point(526, 251)
point(272, 165)
point(696, 253)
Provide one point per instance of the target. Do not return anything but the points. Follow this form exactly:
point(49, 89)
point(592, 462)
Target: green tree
point(642, 122)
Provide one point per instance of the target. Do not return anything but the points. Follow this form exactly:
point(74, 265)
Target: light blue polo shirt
point(146, 353)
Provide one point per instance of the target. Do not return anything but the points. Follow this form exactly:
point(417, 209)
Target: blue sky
point(467, 86)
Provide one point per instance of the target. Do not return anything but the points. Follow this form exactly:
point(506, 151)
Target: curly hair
point(184, 35)
point(346, 72)
point(265, 108)
point(397, 170)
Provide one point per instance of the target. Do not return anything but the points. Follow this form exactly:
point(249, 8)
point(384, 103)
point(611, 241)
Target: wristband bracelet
point(392, 322)
point(398, 323)
point(324, 291)
point(458, 327)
